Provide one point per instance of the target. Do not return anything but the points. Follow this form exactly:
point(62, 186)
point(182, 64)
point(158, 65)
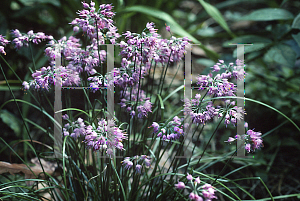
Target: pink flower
point(192, 196)
point(208, 192)
point(155, 127)
point(230, 139)
point(247, 147)
point(198, 198)
point(168, 28)
point(197, 180)
point(189, 177)
point(138, 168)
point(180, 185)
point(147, 162)
point(26, 85)
point(128, 164)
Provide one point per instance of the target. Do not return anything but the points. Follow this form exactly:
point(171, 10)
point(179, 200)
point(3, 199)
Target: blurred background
point(272, 64)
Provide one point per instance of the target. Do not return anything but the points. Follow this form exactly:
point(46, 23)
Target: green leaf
point(282, 54)
point(175, 27)
point(162, 107)
point(32, 2)
point(296, 25)
point(297, 38)
point(295, 97)
point(28, 11)
point(279, 30)
point(36, 107)
point(296, 22)
point(268, 14)
point(207, 32)
point(205, 62)
point(13, 88)
point(247, 39)
point(11, 120)
point(216, 15)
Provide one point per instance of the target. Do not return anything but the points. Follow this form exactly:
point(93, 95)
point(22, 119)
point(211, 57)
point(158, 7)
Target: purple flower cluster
point(253, 140)
point(98, 138)
point(129, 101)
point(207, 191)
point(97, 24)
point(202, 111)
point(232, 113)
point(171, 131)
point(140, 161)
point(24, 39)
point(199, 113)
point(78, 59)
point(43, 78)
point(219, 84)
point(97, 81)
point(3, 43)
point(140, 50)
point(231, 70)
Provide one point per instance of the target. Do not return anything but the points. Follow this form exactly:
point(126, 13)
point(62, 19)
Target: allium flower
point(172, 131)
point(198, 198)
point(147, 162)
point(2, 50)
point(160, 50)
point(141, 161)
point(233, 114)
point(143, 110)
point(3, 43)
point(98, 138)
point(96, 22)
point(248, 147)
point(230, 139)
point(24, 39)
point(206, 190)
point(129, 100)
point(253, 140)
point(138, 168)
point(219, 84)
point(25, 85)
point(168, 28)
point(180, 185)
point(45, 77)
point(65, 117)
point(189, 177)
point(109, 151)
point(155, 127)
point(192, 196)
point(199, 112)
point(128, 164)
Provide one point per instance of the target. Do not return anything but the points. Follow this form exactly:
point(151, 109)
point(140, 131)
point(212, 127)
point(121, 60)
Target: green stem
point(210, 139)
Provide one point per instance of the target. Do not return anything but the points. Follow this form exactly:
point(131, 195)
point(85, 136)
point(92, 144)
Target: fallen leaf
point(30, 172)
